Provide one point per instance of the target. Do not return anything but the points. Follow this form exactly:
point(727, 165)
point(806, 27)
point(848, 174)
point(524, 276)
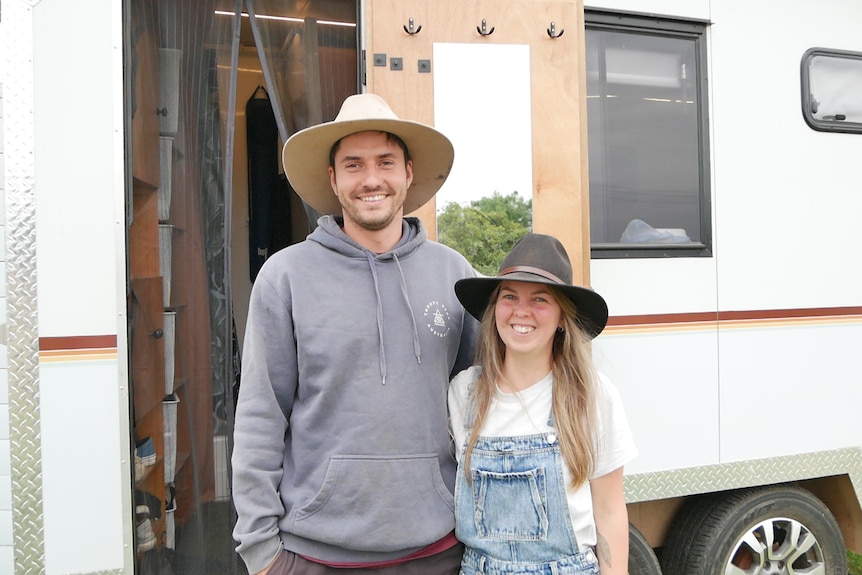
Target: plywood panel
point(559, 138)
point(144, 232)
point(145, 121)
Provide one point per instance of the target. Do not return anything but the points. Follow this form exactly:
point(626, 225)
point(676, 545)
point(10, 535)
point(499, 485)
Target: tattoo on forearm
point(603, 550)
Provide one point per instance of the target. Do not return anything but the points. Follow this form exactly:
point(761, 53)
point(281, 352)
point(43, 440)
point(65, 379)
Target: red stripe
point(439, 546)
point(699, 317)
point(77, 342)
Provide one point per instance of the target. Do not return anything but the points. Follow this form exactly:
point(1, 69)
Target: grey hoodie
point(342, 451)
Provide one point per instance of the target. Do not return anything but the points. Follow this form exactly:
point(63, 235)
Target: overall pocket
point(511, 506)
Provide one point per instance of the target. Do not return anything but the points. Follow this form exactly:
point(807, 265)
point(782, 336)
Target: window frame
point(678, 28)
point(805, 99)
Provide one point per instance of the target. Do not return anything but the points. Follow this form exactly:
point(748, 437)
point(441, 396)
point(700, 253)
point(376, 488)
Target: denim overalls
point(514, 516)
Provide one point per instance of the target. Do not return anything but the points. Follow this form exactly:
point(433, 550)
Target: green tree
point(485, 229)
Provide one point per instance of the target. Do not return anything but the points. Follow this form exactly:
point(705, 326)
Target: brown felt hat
point(306, 153)
point(542, 259)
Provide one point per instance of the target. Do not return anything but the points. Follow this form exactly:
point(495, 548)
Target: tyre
point(642, 560)
point(684, 528)
point(775, 530)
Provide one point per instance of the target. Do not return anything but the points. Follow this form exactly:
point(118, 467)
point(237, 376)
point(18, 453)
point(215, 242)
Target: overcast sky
point(482, 103)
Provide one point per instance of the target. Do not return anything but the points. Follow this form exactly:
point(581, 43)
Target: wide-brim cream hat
point(306, 153)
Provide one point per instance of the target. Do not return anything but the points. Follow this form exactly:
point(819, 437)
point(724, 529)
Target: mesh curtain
point(308, 54)
point(307, 51)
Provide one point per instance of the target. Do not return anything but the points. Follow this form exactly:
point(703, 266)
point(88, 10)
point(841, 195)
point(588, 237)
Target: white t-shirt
point(506, 418)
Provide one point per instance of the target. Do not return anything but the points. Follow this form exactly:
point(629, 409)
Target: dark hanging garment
point(264, 186)
point(280, 228)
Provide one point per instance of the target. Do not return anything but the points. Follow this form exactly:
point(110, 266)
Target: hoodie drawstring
point(382, 351)
point(417, 350)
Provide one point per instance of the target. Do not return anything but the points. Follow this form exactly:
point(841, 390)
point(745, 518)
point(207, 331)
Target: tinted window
point(649, 172)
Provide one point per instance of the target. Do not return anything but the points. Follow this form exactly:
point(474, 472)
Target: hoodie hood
point(329, 233)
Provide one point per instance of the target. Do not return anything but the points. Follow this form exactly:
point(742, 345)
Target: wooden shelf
point(148, 348)
point(141, 482)
point(162, 182)
point(144, 235)
point(145, 121)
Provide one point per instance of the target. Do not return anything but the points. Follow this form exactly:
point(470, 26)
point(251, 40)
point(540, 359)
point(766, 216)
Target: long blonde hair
point(573, 392)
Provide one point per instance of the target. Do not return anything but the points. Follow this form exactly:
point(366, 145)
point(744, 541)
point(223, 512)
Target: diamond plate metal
point(770, 471)
point(21, 312)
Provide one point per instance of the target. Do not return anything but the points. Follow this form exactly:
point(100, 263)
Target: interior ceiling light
point(288, 19)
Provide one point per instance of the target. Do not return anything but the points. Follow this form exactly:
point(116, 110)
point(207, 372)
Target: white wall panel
point(78, 161)
point(789, 390)
point(787, 201)
point(697, 9)
point(635, 286)
point(82, 476)
point(669, 385)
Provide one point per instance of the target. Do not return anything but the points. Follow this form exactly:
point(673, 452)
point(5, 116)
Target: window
point(832, 90)
point(648, 146)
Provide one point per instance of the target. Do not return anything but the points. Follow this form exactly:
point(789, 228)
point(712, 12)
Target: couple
point(343, 459)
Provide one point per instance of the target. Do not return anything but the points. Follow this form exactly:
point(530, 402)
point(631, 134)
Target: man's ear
point(332, 182)
point(409, 169)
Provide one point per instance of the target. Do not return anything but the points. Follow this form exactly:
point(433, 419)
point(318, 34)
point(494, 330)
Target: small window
point(832, 90)
point(648, 141)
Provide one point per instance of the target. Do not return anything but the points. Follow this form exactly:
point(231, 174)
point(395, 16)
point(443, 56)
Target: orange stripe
point(77, 348)
point(732, 319)
point(92, 355)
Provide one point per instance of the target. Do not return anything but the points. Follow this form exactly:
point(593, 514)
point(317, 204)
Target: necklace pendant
point(552, 438)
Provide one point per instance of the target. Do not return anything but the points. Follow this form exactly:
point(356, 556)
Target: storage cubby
point(171, 372)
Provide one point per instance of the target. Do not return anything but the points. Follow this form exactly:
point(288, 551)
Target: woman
point(541, 437)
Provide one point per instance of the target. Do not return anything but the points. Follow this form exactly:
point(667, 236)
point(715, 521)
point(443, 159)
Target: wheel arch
point(834, 476)
point(838, 494)
point(653, 518)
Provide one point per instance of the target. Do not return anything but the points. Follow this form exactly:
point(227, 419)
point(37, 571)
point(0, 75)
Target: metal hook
point(552, 31)
point(483, 30)
point(410, 30)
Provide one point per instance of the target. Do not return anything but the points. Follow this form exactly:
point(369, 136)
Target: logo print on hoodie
point(438, 318)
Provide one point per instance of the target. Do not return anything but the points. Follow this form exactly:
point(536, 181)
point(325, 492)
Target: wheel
point(642, 560)
point(774, 530)
point(683, 529)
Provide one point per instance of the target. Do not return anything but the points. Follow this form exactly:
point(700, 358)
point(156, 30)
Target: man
point(342, 459)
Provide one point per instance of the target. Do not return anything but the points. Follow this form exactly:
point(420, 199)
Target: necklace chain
point(526, 411)
point(551, 436)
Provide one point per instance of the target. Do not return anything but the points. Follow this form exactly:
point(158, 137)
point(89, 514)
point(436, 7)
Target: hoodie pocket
point(380, 504)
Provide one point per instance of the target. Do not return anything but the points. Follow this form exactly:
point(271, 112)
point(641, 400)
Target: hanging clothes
point(268, 191)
